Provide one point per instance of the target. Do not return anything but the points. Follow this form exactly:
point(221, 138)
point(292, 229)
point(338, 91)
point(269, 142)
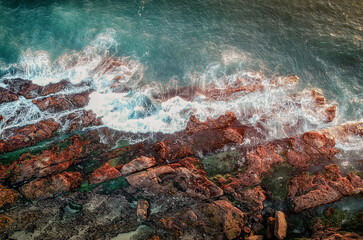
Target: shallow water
point(178, 43)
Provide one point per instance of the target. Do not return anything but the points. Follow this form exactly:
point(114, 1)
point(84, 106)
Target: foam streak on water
point(125, 103)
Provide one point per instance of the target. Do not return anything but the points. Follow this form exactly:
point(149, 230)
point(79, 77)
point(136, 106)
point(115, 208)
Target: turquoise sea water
point(318, 40)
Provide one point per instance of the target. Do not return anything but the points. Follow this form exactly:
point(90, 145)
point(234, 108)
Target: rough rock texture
point(280, 225)
point(60, 103)
point(185, 176)
point(229, 218)
point(104, 173)
point(138, 164)
point(259, 162)
point(29, 135)
point(312, 146)
point(308, 192)
point(48, 162)
point(320, 231)
point(7, 196)
point(7, 96)
point(142, 208)
point(46, 187)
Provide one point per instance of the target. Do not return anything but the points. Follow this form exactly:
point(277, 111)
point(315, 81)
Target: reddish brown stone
point(7, 196)
point(162, 150)
point(142, 209)
point(5, 221)
point(298, 159)
point(29, 135)
point(161, 179)
point(104, 173)
point(225, 218)
point(138, 164)
point(59, 103)
point(259, 162)
point(7, 96)
point(308, 192)
point(280, 225)
point(46, 187)
point(48, 162)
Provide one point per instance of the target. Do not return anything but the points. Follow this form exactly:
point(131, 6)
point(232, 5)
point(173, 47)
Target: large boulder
point(104, 173)
point(322, 188)
point(47, 187)
point(28, 135)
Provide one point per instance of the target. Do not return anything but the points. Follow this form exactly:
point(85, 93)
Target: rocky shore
point(73, 178)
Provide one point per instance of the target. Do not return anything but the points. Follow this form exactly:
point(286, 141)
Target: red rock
point(280, 225)
point(104, 173)
point(253, 198)
point(225, 218)
point(7, 96)
point(232, 135)
point(142, 209)
point(161, 179)
point(58, 103)
point(162, 150)
point(259, 162)
point(138, 164)
point(320, 231)
point(298, 159)
point(46, 187)
point(308, 192)
point(5, 221)
point(7, 196)
point(48, 162)
point(29, 135)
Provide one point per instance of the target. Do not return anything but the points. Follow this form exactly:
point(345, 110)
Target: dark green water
point(318, 40)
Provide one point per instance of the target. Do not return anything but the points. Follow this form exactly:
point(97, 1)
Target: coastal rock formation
point(56, 184)
point(104, 173)
point(7, 196)
point(186, 176)
point(322, 188)
point(28, 135)
point(7, 96)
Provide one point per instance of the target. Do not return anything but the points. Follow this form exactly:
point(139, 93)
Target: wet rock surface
point(216, 179)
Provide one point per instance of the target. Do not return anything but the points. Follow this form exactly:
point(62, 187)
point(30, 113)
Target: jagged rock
point(162, 150)
point(320, 231)
point(259, 162)
point(308, 192)
point(310, 147)
point(194, 125)
point(5, 221)
point(253, 198)
point(138, 164)
point(232, 135)
point(104, 173)
point(142, 208)
point(59, 103)
point(183, 176)
point(29, 135)
point(280, 225)
point(30, 90)
point(226, 218)
point(7, 196)
point(7, 96)
point(46, 187)
point(48, 162)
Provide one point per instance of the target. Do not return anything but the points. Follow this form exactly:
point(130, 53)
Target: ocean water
point(164, 45)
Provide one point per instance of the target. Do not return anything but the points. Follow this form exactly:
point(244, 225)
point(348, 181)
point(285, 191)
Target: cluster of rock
point(172, 172)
